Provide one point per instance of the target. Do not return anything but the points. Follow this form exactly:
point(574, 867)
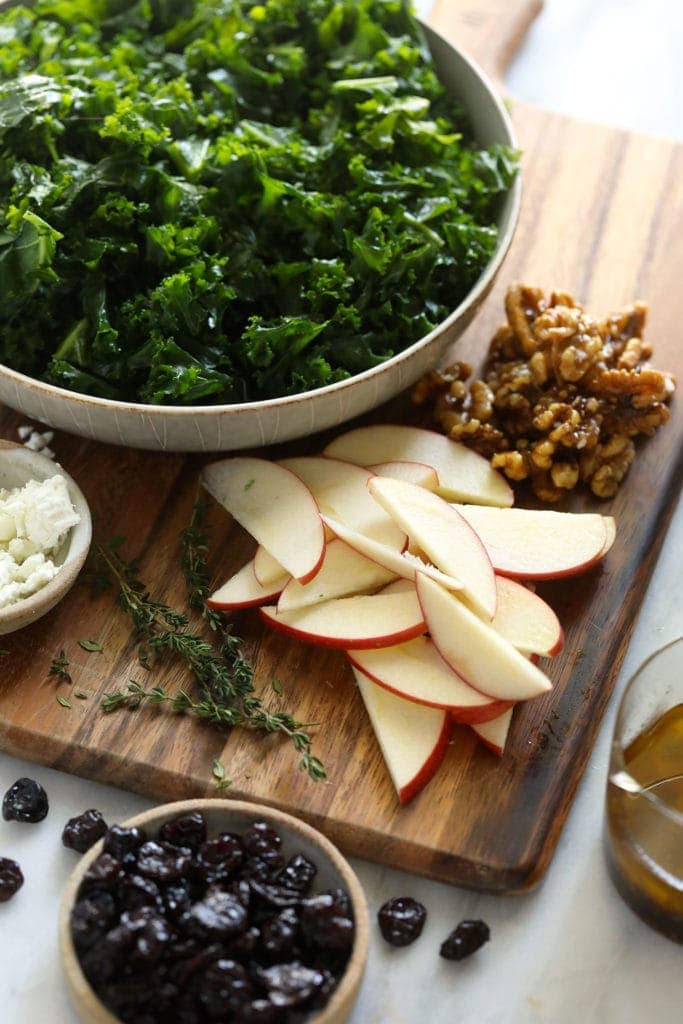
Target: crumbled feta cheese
point(34, 520)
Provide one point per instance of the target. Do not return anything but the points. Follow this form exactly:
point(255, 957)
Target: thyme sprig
point(226, 678)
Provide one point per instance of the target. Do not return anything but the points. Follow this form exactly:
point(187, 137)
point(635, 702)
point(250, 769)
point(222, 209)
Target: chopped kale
point(226, 201)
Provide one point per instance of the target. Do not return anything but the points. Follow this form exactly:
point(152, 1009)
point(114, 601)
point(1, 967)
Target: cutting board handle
point(490, 31)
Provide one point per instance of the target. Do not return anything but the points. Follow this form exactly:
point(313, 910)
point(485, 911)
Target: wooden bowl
point(18, 465)
point(232, 816)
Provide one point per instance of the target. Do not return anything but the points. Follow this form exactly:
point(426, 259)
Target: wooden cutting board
point(602, 216)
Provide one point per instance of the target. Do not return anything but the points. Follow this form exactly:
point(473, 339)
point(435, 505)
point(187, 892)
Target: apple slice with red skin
point(540, 543)
point(266, 568)
point(447, 539)
point(403, 564)
point(526, 620)
point(340, 489)
point(463, 474)
point(494, 733)
point(363, 620)
point(414, 472)
point(274, 506)
point(413, 738)
point(243, 590)
point(474, 649)
point(344, 571)
point(416, 671)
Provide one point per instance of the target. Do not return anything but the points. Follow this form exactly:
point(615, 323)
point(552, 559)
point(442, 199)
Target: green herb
point(219, 773)
point(223, 674)
point(225, 201)
point(80, 694)
point(60, 667)
point(90, 645)
point(63, 701)
point(277, 685)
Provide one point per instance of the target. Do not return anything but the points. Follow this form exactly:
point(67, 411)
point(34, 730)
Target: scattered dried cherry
point(82, 832)
point(467, 938)
point(181, 929)
point(25, 800)
point(401, 920)
point(11, 878)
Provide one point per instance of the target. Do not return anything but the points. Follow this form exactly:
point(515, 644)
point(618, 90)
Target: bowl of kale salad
point(228, 224)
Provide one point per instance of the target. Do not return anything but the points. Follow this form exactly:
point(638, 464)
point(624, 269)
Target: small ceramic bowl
point(233, 816)
point(18, 465)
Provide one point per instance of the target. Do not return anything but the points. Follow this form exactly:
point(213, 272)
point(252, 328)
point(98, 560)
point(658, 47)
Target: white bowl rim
point(154, 411)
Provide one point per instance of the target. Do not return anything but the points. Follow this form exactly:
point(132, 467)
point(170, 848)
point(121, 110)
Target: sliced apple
point(447, 539)
point(275, 506)
point(266, 568)
point(243, 590)
point(540, 543)
point(416, 671)
point(404, 564)
point(340, 489)
point(413, 738)
point(463, 474)
point(474, 649)
point(610, 533)
point(364, 620)
point(495, 732)
point(344, 571)
point(526, 620)
point(415, 472)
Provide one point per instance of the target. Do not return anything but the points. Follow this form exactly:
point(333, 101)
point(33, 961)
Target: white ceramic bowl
point(233, 816)
point(18, 465)
point(252, 424)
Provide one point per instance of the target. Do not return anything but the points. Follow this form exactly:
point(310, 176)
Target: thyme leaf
point(59, 667)
point(90, 645)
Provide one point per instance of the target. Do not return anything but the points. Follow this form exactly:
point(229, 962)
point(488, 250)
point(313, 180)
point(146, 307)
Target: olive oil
point(644, 837)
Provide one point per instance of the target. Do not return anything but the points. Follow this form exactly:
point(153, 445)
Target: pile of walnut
point(563, 395)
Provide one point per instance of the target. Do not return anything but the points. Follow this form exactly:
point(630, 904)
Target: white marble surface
point(571, 951)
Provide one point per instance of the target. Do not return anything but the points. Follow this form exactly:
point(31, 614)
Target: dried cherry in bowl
point(232, 816)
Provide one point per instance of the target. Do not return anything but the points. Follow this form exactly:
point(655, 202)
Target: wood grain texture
point(601, 216)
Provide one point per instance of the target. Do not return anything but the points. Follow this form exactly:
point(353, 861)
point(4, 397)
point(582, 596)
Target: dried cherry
point(465, 939)
point(11, 878)
point(83, 831)
point(401, 920)
point(25, 800)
